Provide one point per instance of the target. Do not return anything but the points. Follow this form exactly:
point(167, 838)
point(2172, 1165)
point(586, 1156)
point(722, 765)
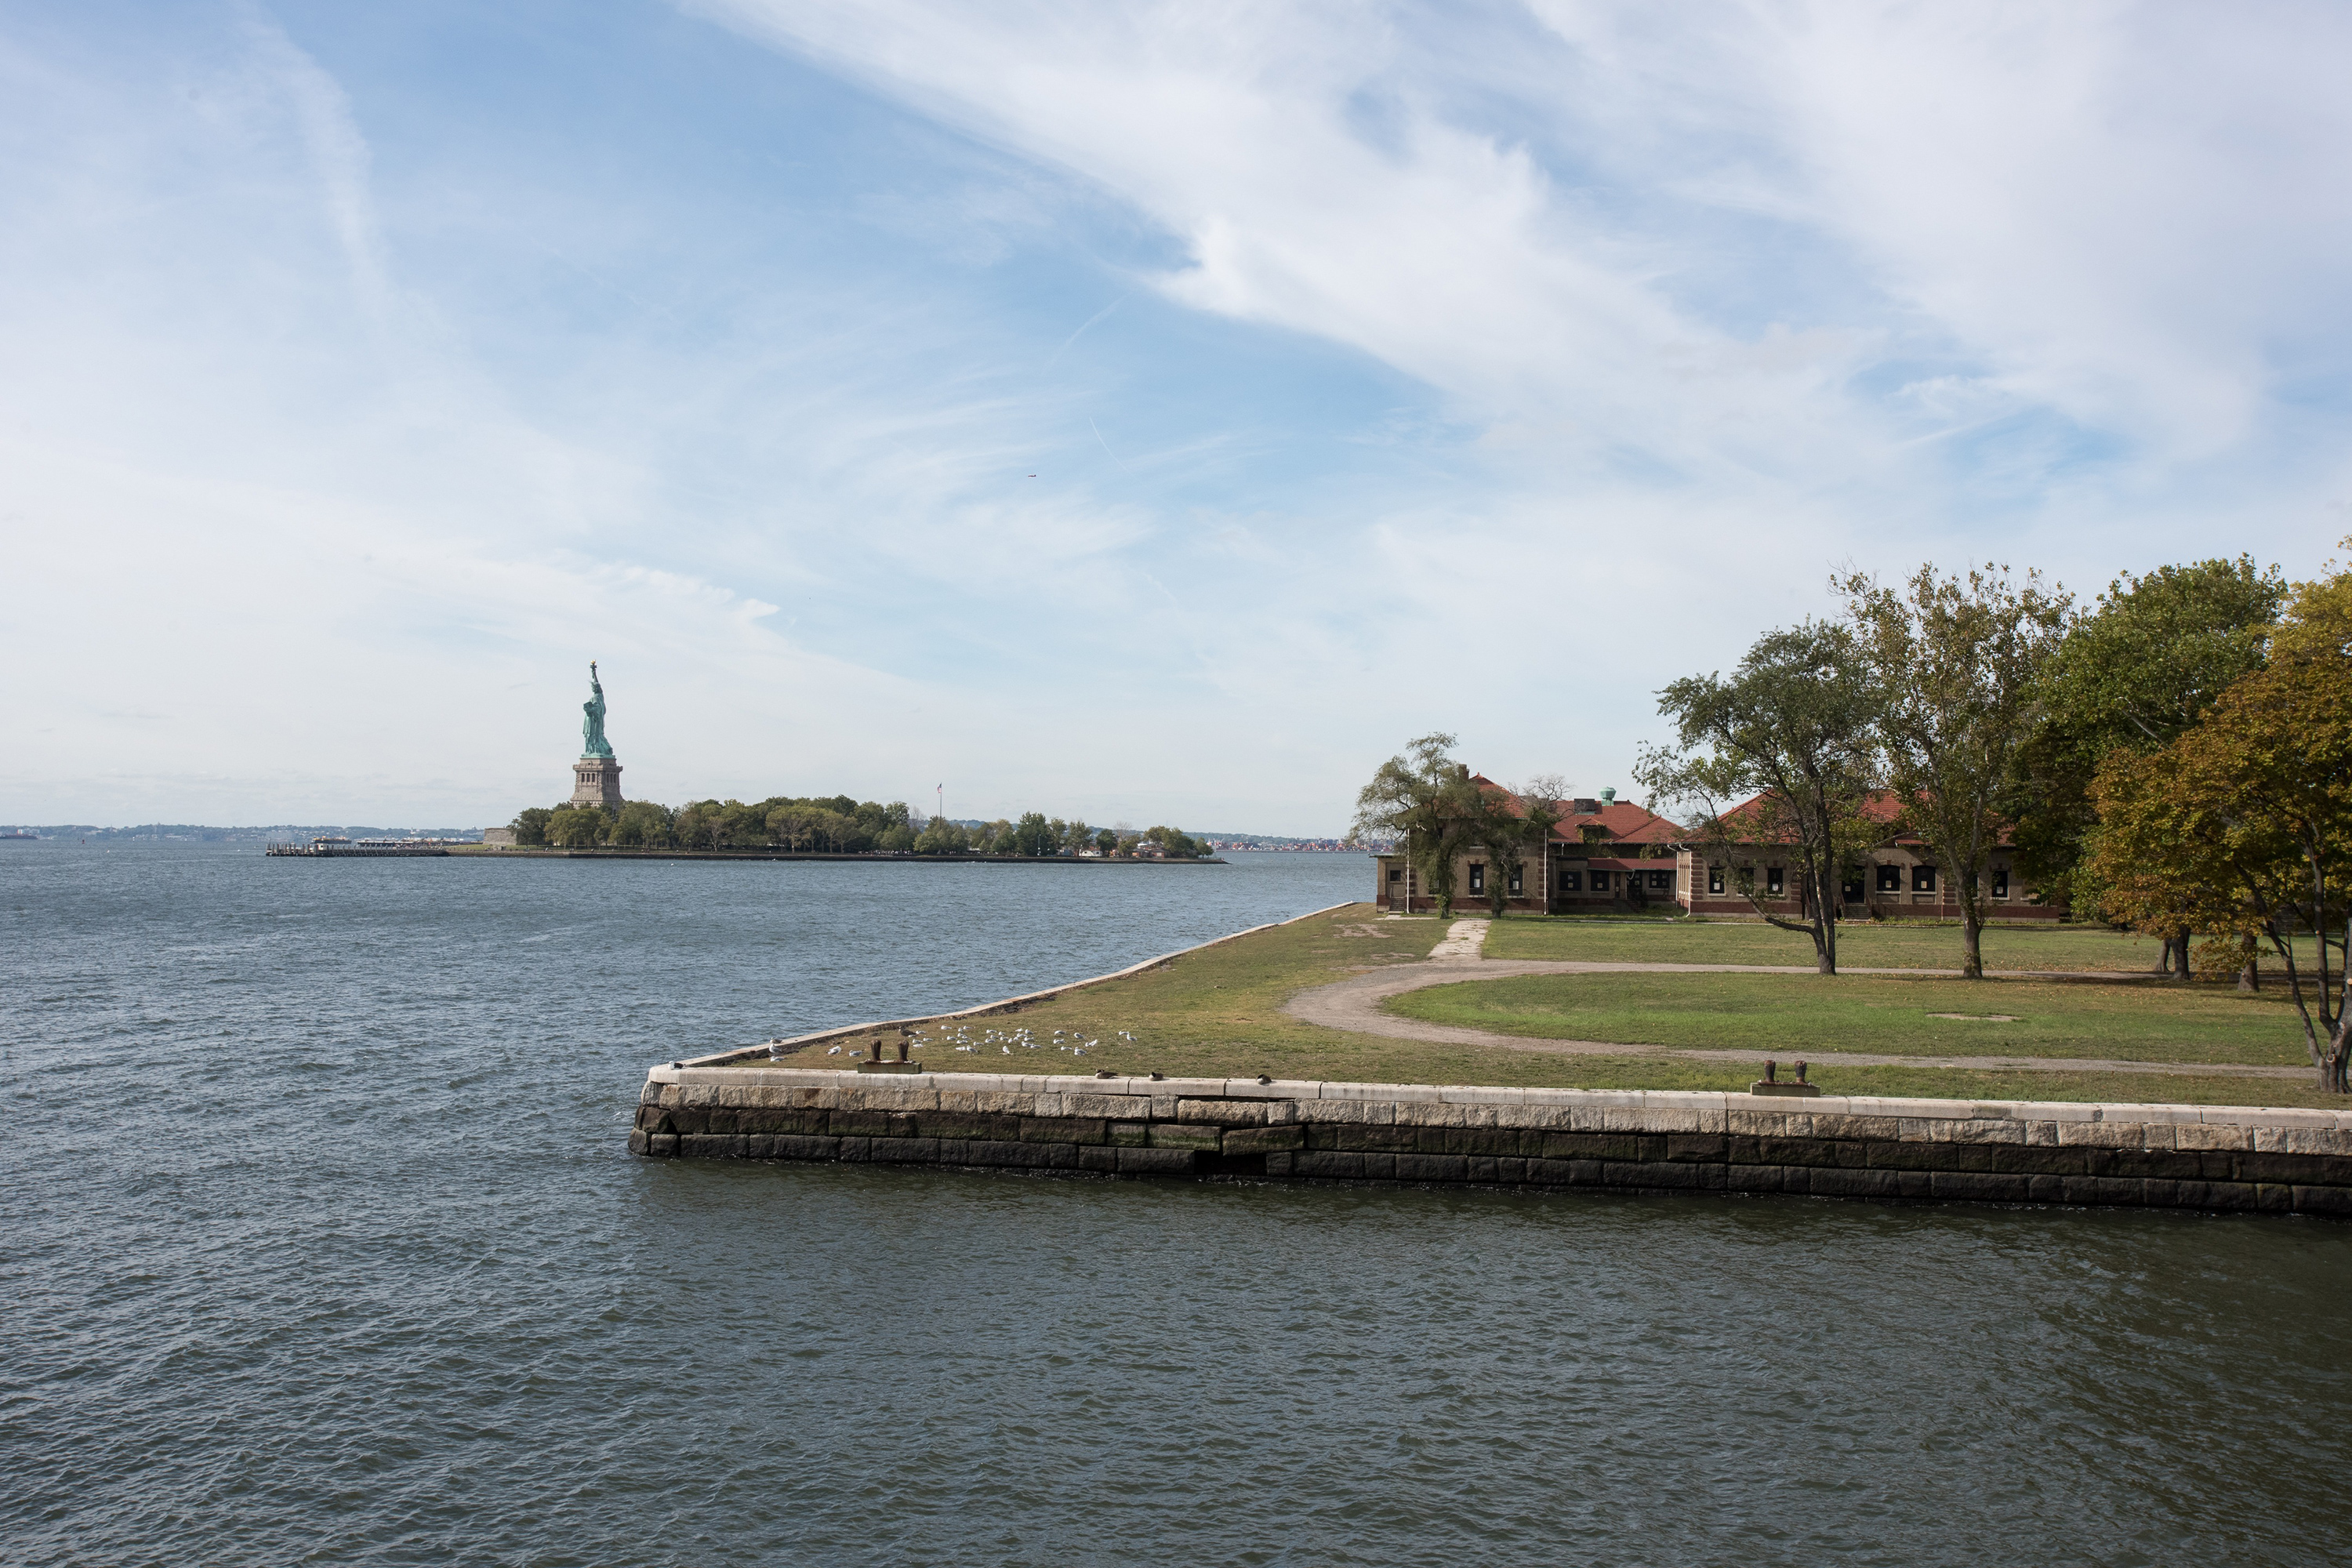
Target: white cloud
point(392, 437)
point(2115, 212)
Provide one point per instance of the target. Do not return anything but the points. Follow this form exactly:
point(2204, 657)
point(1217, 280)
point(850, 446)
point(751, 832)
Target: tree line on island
point(835, 824)
point(2174, 756)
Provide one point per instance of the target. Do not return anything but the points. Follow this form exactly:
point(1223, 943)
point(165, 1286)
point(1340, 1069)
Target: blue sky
point(1142, 413)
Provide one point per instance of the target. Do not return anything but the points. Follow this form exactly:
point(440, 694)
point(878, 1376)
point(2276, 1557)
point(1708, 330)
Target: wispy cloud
point(1725, 238)
point(1380, 368)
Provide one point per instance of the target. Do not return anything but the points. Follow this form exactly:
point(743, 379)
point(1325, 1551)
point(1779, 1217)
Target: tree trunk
point(2250, 978)
point(1971, 943)
point(2180, 946)
point(1825, 919)
point(2335, 1072)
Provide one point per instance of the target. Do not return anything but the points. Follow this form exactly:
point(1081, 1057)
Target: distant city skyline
point(1155, 411)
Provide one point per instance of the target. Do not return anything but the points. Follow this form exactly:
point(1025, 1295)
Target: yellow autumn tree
point(2242, 827)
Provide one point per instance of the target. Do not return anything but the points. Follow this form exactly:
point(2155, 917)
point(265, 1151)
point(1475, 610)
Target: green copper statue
point(592, 727)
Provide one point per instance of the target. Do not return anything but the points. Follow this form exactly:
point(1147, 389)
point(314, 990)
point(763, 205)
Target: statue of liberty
point(592, 727)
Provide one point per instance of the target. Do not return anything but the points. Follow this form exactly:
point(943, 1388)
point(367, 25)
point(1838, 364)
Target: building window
point(1662, 881)
point(1923, 879)
point(1715, 879)
point(1599, 881)
point(1854, 890)
point(1395, 875)
point(1518, 882)
point(1571, 882)
point(2000, 882)
point(1478, 878)
point(1890, 879)
point(1774, 880)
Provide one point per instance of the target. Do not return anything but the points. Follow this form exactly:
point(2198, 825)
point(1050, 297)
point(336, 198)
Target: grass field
point(1217, 1012)
point(1894, 944)
point(1789, 1015)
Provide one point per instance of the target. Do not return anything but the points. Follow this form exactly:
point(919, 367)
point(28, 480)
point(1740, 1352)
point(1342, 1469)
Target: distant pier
point(376, 846)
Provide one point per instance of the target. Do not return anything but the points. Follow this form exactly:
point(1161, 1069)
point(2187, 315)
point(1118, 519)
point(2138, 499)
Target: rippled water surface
point(323, 1245)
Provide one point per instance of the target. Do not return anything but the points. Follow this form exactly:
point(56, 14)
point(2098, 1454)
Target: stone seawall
point(2164, 1156)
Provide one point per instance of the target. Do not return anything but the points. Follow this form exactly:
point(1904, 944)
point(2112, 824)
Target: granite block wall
point(2197, 1157)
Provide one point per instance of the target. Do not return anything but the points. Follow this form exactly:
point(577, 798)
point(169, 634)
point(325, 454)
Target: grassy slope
point(1792, 1013)
point(1215, 1013)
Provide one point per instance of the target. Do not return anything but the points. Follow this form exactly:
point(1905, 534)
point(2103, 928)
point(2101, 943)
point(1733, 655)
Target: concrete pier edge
point(2266, 1159)
point(2215, 1158)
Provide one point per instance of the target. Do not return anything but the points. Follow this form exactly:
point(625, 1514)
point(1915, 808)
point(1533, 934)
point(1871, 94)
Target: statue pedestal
point(597, 781)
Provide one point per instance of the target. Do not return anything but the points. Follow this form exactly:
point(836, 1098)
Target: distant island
point(833, 824)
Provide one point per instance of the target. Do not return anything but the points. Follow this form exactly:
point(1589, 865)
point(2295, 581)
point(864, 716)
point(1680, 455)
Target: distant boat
point(19, 833)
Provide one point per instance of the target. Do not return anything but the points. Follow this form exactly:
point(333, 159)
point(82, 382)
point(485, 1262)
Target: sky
point(1142, 413)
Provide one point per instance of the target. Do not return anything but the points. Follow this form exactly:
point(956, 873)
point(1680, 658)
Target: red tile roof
point(1620, 821)
point(1880, 805)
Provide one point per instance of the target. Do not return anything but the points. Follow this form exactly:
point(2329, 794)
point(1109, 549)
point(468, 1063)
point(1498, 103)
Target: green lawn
point(1793, 1014)
point(1894, 944)
point(1217, 1012)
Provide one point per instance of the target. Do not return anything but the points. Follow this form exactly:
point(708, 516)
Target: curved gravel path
point(1355, 1005)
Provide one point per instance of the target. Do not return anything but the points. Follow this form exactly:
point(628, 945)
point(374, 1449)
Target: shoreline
point(2211, 1158)
point(878, 858)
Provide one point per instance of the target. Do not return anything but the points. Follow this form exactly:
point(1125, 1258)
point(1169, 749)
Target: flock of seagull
point(1006, 1041)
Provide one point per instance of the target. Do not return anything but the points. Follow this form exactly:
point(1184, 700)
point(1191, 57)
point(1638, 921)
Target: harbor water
point(323, 1245)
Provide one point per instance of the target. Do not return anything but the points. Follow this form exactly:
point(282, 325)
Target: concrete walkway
point(1356, 1004)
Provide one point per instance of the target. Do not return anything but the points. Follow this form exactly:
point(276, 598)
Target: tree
point(940, 837)
point(1423, 798)
point(1783, 754)
point(575, 827)
point(2133, 674)
point(530, 825)
point(642, 825)
point(1031, 836)
point(793, 825)
point(1106, 842)
point(2243, 827)
point(1508, 827)
point(1957, 662)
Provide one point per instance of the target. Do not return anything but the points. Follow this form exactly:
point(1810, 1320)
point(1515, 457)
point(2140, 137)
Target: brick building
point(1609, 855)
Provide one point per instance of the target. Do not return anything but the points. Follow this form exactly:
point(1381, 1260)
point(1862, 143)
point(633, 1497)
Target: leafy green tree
point(1509, 833)
point(897, 838)
point(530, 825)
point(1031, 836)
point(575, 827)
point(2133, 674)
point(1425, 799)
point(695, 824)
point(643, 824)
point(1106, 842)
point(940, 837)
point(1957, 662)
point(1781, 757)
point(2241, 828)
